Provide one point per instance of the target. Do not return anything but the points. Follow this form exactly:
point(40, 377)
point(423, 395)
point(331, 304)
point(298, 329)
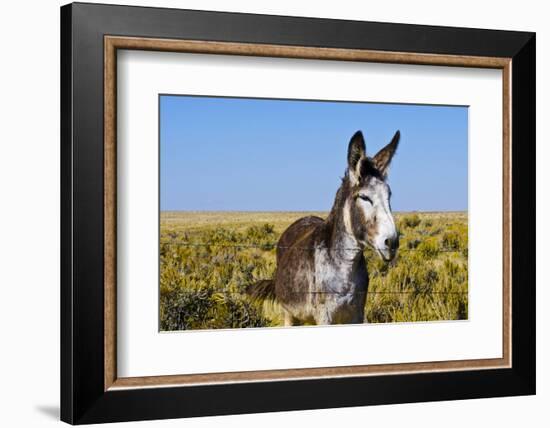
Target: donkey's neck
point(339, 238)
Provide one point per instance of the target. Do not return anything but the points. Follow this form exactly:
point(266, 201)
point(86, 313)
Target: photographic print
point(279, 212)
point(296, 183)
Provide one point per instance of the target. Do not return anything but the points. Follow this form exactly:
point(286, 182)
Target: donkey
point(321, 276)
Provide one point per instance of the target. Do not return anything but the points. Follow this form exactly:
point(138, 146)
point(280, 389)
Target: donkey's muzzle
point(389, 251)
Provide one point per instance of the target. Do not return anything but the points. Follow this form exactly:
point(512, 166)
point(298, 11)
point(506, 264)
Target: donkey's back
point(311, 286)
point(291, 285)
point(297, 231)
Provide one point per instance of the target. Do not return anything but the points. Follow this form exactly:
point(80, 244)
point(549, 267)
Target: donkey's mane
point(368, 169)
point(340, 199)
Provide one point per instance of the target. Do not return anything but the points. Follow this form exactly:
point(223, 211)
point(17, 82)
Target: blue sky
point(286, 155)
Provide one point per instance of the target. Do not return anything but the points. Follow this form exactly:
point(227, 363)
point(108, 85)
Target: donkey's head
point(367, 208)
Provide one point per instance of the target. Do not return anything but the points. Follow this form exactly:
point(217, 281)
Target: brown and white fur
point(321, 276)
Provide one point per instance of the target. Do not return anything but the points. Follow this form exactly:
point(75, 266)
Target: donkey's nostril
point(391, 243)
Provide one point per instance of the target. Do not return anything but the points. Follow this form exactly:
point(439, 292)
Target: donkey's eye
point(365, 198)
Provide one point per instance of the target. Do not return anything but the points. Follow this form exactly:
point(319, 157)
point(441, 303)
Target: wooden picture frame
point(91, 390)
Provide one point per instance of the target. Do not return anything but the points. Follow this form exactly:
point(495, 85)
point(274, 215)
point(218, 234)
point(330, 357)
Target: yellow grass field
point(207, 259)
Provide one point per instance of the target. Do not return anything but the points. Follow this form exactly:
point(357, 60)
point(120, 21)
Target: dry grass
point(202, 286)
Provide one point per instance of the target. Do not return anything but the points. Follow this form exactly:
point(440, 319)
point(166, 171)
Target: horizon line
point(305, 211)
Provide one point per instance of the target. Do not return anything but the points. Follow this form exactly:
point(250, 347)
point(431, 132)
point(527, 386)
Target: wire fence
point(320, 293)
point(272, 246)
point(240, 288)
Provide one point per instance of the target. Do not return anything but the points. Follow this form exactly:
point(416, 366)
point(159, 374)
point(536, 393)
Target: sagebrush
point(208, 259)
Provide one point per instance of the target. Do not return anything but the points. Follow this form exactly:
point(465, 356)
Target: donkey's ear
point(383, 158)
point(356, 151)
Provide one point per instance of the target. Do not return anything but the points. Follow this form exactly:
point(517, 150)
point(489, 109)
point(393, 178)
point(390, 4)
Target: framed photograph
point(266, 213)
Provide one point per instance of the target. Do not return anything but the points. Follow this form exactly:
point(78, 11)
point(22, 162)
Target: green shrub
point(411, 221)
point(429, 247)
point(451, 240)
point(413, 244)
point(206, 309)
point(263, 236)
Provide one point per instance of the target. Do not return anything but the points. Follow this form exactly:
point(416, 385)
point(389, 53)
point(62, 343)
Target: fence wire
point(272, 246)
point(240, 289)
point(226, 291)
